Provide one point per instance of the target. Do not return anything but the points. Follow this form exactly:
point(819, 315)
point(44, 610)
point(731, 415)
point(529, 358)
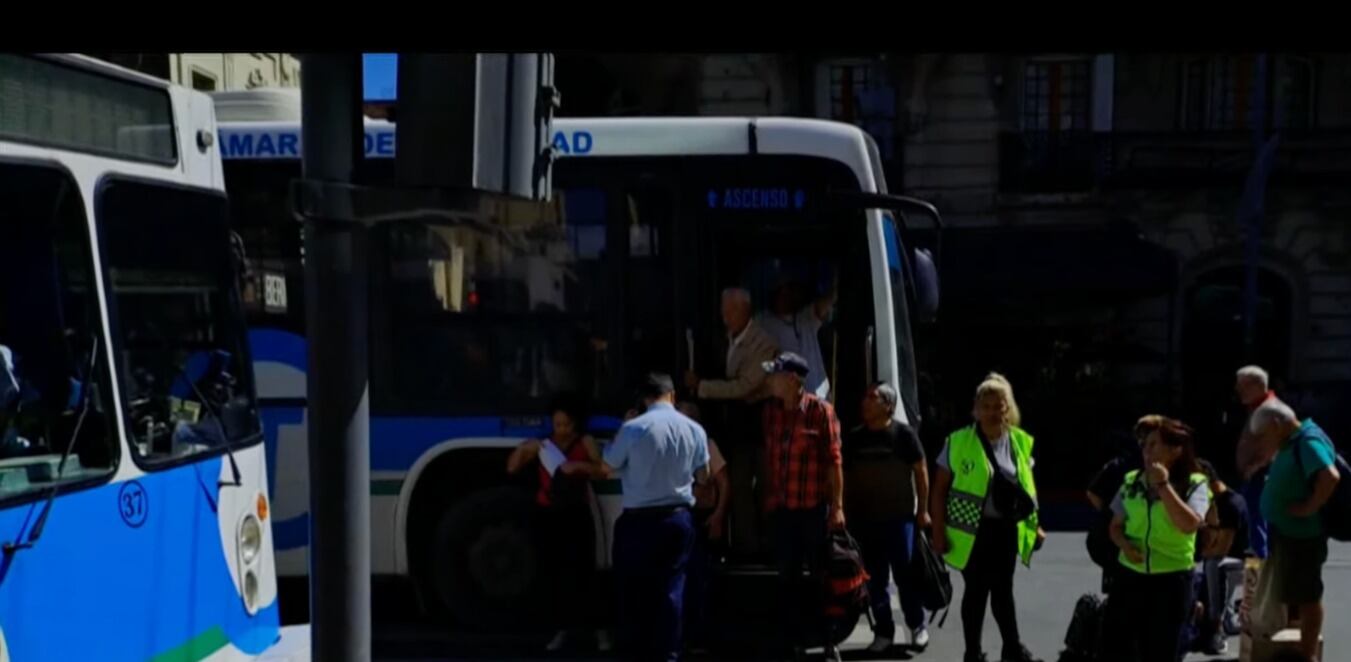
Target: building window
point(203, 82)
point(1217, 93)
point(1294, 93)
point(1056, 96)
point(1055, 151)
point(854, 91)
point(847, 84)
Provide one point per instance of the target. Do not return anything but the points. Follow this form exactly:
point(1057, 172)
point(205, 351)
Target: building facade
point(214, 72)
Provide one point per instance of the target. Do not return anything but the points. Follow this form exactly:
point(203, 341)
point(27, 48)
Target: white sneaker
point(558, 642)
point(919, 638)
point(880, 644)
point(603, 643)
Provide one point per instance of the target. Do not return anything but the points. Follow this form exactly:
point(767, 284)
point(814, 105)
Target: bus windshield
point(48, 329)
point(173, 281)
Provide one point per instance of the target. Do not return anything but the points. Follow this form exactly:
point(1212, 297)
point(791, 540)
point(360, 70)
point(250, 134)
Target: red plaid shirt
point(801, 447)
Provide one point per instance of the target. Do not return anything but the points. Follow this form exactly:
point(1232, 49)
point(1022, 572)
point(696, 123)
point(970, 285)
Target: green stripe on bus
point(196, 648)
point(606, 487)
point(386, 487)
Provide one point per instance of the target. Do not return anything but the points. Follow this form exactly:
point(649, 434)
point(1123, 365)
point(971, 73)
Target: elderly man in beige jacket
point(744, 389)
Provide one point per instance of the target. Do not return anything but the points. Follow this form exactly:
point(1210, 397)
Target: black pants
point(570, 538)
point(800, 539)
point(989, 578)
point(1145, 614)
point(652, 548)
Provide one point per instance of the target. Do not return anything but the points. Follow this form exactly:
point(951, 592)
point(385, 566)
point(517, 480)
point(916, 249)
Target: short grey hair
point(737, 294)
point(887, 394)
point(1274, 411)
point(1255, 373)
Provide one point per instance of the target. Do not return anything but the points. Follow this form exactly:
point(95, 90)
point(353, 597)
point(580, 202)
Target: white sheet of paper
point(551, 456)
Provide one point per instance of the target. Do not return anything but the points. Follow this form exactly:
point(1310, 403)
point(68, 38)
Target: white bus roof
point(258, 105)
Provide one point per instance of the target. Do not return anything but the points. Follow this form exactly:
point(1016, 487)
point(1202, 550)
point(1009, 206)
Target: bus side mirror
point(926, 284)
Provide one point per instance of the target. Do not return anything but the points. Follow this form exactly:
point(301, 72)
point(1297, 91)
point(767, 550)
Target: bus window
point(651, 331)
point(503, 319)
point(49, 338)
point(272, 241)
point(183, 360)
point(900, 302)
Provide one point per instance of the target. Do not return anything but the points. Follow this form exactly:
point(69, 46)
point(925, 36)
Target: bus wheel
point(485, 565)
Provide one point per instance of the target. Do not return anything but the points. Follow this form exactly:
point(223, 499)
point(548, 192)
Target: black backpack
point(1101, 549)
point(929, 575)
point(1083, 639)
point(846, 584)
point(1337, 511)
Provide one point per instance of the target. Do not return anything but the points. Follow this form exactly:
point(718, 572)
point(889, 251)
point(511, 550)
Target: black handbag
point(929, 573)
point(1012, 499)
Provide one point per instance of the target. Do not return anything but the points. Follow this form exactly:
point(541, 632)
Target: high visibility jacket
point(1148, 526)
point(971, 472)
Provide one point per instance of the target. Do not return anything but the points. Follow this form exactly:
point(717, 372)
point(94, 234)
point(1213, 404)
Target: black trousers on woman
point(1144, 616)
point(570, 558)
point(989, 578)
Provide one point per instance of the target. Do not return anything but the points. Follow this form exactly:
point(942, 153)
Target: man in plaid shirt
point(805, 487)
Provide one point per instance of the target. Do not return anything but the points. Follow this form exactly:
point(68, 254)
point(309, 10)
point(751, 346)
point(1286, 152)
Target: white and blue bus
point(134, 508)
point(617, 275)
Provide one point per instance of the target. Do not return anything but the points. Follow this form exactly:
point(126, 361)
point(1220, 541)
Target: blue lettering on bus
point(238, 144)
point(757, 198)
point(580, 143)
point(265, 146)
point(384, 144)
point(286, 145)
point(369, 142)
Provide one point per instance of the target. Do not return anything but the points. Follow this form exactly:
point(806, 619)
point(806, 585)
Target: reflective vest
point(1148, 526)
point(971, 473)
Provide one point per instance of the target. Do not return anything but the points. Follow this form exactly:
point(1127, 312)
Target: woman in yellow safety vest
point(984, 511)
point(1156, 515)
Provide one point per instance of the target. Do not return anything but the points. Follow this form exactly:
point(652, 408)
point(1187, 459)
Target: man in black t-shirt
point(886, 484)
point(1103, 488)
point(1221, 545)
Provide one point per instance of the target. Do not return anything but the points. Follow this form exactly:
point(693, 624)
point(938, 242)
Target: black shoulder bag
point(1010, 497)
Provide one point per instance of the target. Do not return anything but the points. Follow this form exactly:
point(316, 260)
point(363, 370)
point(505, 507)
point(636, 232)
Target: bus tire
point(485, 563)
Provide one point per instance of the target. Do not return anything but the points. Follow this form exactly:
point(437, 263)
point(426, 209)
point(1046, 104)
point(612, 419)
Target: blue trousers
point(888, 546)
point(699, 628)
point(651, 551)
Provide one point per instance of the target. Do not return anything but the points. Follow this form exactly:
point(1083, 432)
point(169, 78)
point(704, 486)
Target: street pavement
point(1046, 594)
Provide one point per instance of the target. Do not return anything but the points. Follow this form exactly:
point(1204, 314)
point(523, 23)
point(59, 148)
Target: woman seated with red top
point(566, 461)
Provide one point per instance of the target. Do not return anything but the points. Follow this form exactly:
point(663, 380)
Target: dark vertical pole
point(339, 417)
point(1253, 232)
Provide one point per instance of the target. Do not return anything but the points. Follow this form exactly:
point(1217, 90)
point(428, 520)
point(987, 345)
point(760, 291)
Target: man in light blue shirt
point(796, 328)
point(655, 456)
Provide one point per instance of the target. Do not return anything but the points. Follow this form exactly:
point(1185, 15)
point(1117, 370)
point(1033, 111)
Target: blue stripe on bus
point(280, 347)
point(892, 243)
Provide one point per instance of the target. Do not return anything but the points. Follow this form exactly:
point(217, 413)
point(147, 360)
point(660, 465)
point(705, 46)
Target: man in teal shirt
point(1302, 478)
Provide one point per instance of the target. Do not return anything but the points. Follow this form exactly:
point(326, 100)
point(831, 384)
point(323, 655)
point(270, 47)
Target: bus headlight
point(250, 591)
point(250, 538)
